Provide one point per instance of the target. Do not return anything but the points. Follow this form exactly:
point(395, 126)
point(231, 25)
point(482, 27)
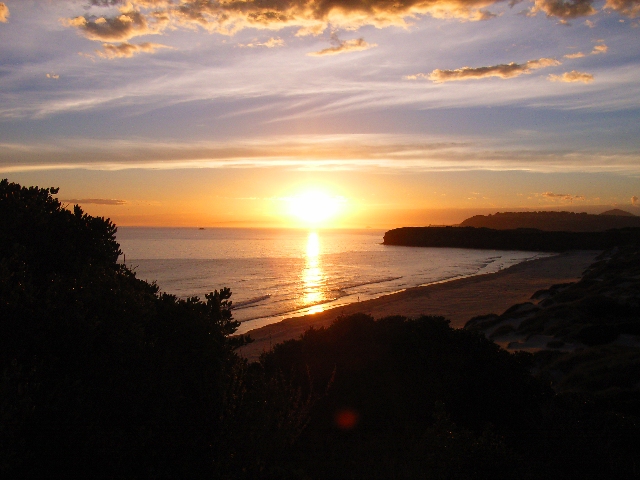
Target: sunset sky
point(408, 112)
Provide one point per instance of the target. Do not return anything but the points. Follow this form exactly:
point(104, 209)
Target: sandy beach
point(457, 300)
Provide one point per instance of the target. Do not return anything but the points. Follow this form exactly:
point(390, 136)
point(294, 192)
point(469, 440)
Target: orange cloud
point(128, 24)
point(563, 196)
point(271, 43)
point(344, 46)
point(572, 77)
point(95, 201)
point(4, 13)
point(509, 70)
point(142, 17)
point(564, 9)
point(127, 50)
point(574, 55)
point(602, 48)
point(630, 8)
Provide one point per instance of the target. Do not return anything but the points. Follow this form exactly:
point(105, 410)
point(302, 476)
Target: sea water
point(275, 274)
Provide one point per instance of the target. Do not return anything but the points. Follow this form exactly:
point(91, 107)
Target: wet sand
point(456, 300)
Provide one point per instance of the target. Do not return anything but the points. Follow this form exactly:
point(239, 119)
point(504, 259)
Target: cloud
point(143, 17)
point(630, 8)
point(95, 201)
point(564, 9)
point(598, 49)
point(574, 55)
point(271, 43)
point(127, 50)
point(127, 24)
point(87, 55)
point(53, 76)
point(344, 46)
point(634, 201)
point(339, 152)
point(572, 77)
point(508, 70)
point(563, 196)
point(4, 13)
point(417, 76)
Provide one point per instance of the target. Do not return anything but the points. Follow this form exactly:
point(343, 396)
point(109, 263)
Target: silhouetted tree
point(101, 374)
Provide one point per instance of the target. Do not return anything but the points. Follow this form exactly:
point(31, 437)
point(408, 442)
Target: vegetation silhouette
point(555, 221)
point(104, 376)
point(528, 239)
point(435, 402)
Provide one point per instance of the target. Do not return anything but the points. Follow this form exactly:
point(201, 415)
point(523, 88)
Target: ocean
point(278, 273)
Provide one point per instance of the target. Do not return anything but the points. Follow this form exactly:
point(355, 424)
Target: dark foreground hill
point(555, 221)
point(103, 376)
point(517, 239)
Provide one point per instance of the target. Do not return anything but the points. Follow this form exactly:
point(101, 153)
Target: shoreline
point(263, 321)
point(458, 300)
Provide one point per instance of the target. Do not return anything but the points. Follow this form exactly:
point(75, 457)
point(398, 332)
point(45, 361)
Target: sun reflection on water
point(312, 276)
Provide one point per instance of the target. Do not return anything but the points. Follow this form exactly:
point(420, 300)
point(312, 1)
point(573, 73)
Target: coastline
point(458, 300)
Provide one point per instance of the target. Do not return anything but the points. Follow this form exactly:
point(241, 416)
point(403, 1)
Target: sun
point(315, 207)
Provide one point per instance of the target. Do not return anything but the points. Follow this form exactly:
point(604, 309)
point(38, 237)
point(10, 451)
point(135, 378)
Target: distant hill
point(618, 212)
point(555, 221)
point(528, 239)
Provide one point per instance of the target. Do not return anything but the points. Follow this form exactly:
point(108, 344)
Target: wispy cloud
point(4, 13)
point(572, 76)
point(95, 201)
point(508, 70)
point(394, 153)
point(563, 196)
point(271, 43)
point(574, 55)
point(53, 76)
point(344, 46)
point(127, 50)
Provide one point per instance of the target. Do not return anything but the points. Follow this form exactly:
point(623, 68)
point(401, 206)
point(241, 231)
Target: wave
point(371, 282)
point(249, 303)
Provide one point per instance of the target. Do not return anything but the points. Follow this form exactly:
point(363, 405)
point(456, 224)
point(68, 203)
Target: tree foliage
point(101, 373)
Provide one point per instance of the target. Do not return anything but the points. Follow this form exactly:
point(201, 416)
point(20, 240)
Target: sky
point(408, 112)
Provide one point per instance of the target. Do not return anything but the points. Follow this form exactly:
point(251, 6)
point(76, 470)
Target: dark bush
point(102, 376)
point(397, 377)
point(598, 334)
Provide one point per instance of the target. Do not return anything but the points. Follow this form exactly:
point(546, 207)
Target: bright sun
point(315, 207)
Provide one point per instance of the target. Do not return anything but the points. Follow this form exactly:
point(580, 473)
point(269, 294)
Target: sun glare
point(315, 207)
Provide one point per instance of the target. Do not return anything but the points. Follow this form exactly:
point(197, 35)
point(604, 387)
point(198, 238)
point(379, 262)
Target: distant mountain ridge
point(618, 212)
point(555, 221)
